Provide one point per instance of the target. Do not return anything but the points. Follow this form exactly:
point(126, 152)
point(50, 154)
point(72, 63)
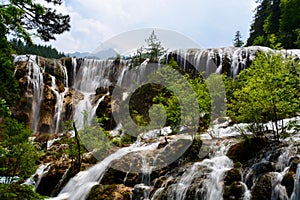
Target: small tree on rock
point(154, 49)
point(237, 41)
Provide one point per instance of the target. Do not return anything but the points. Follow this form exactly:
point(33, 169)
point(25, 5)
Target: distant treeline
point(45, 51)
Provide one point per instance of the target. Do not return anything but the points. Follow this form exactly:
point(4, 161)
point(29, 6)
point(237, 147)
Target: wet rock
point(294, 164)
point(104, 112)
point(53, 67)
point(231, 176)
point(51, 179)
point(101, 91)
point(244, 151)
point(288, 181)
point(263, 188)
point(234, 191)
point(141, 192)
point(110, 192)
point(257, 170)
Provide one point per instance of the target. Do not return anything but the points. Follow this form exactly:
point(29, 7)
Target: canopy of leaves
point(23, 18)
point(267, 91)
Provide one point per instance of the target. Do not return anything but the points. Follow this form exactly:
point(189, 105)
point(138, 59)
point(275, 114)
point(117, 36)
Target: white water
point(43, 169)
point(74, 65)
point(212, 188)
point(296, 192)
point(58, 106)
point(35, 80)
point(211, 60)
point(79, 186)
point(91, 75)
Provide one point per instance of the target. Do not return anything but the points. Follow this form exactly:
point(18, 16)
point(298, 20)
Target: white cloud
point(211, 23)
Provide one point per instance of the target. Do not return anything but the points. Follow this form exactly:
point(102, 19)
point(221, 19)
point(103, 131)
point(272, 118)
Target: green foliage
point(276, 24)
point(237, 41)
point(289, 22)
point(152, 51)
point(45, 51)
point(18, 155)
point(20, 17)
point(4, 109)
point(16, 192)
point(8, 85)
point(267, 91)
point(170, 105)
point(93, 137)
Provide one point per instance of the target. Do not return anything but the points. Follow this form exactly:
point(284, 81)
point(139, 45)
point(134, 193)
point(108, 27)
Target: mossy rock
point(294, 164)
point(231, 176)
point(234, 191)
point(288, 181)
point(110, 192)
point(262, 190)
point(244, 151)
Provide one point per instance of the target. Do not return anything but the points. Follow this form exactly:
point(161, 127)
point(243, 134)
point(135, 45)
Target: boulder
point(262, 190)
point(288, 182)
point(231, 176)
point(234, 191)
point(110, 192)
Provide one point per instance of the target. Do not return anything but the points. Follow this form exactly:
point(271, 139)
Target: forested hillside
point(276, 24)
point(41, 50)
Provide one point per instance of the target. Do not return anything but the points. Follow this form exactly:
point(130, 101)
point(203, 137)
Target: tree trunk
point(78, 160)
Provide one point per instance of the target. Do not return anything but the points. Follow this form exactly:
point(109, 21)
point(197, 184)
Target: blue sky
point(210, 23)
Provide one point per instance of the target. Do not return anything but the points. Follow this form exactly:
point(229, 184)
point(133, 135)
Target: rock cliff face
point(53, 91)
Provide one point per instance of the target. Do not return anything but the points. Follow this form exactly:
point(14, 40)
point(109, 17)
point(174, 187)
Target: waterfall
point(296, 191)
point(80, 185)
point(211, 170)
point(36, 178)
point(91, 75)
point(85, 111)
point(58, 106)
point(36, 82)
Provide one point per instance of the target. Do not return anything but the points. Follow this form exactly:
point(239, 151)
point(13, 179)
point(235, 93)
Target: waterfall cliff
point(53, 91)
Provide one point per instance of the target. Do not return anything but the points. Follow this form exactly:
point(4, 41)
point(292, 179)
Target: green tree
point(26, 18)
point(256, 28)
point(237, 41)
point(18, 154)
point(267, 91)
point(289, 22)
point(40, 50)
point(154, 49)
point(276, 24)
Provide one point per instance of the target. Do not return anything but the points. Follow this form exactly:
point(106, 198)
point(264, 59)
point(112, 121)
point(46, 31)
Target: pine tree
point(155, 49)
point(237, 41)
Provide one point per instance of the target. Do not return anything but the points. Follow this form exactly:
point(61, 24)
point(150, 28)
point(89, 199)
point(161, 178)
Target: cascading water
point(91, 75)
point(36, 82)
point(210, 170)
point(33, 180)
point(296, 191)
point(79, 186)
point(58, 106)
